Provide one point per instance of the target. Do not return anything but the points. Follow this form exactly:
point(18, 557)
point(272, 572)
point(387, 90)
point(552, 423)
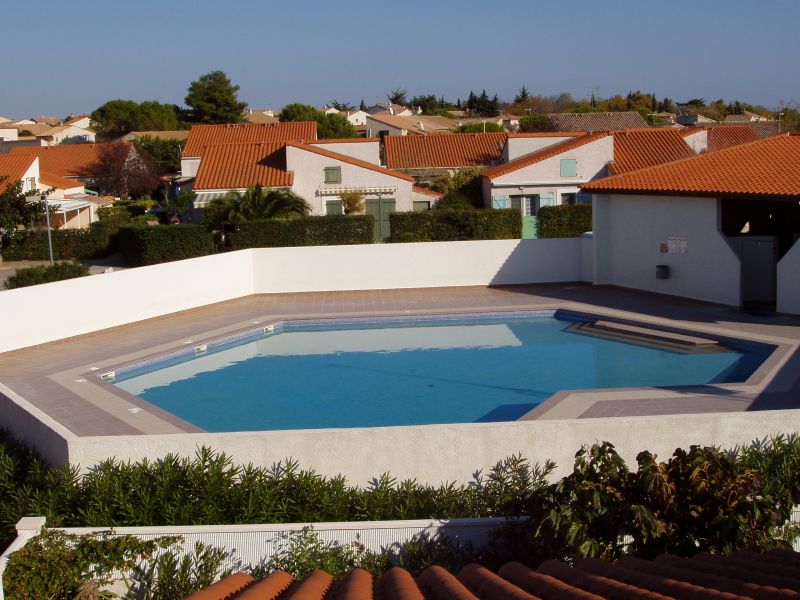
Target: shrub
point(328, 230)
point(566, 220)
point(145, 245)
point(454, 200)
point(449, 225)
point(46, 274)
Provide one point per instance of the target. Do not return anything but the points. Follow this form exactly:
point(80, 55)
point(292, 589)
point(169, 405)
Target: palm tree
point(254, 204)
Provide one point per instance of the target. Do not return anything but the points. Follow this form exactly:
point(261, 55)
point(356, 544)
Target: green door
point(380, 210)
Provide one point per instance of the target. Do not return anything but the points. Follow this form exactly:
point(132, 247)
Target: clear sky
point(62, 57)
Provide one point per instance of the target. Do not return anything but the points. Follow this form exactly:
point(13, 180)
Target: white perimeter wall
point(629, 231)
point(789, 281)
point(53, 311)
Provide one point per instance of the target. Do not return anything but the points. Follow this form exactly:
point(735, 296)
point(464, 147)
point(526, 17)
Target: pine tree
point(362, 106)
point(522, 96)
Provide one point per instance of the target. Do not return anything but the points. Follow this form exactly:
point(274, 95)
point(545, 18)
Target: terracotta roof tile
point(237, 166)
point(65, 160)
point(605, 121)
point(247, 133)
point(344, 140)
point(54, 181)
point(769, 167)
point(738, 575)
point(762, 129)
point(538, 134)
point(418, 189)
point(725, 137)
point(540, 155)
point(639, 148)
point(353, 161)
point(443, 151)
point(13, 167)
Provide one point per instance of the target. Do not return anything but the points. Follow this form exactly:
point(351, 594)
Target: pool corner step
point(655, 334)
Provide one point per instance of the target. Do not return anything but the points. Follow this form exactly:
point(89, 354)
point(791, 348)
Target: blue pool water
point(365, 374)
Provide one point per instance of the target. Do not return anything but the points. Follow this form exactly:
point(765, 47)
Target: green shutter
point(333, 174)
point(421, 205)
point(547, 199)
point(569, 167)
point(499, 201)
point(333, 207)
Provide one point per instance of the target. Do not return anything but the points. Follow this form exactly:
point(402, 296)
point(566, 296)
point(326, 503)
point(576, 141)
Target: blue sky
point(69, 57)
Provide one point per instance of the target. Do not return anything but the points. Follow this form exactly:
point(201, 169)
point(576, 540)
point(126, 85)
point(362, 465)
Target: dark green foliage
point(166, 153)
point(567, 220)
point(118, 117)
point(46, 274)
point(255, 203)
point(482, 105)
point(486, 127)
point(465, 181)
point(328, 126)
point(213, 98)
point(146, 245)
point(68, 244)
point(454, 200)
point(535, 122)
point(329, 230)
point(449, 225)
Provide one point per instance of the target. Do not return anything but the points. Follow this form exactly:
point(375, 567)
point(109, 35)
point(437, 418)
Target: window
point(568, 198)
point(333, 207)
point(569, 167)
point(31, 183)
point(583, 198)
point(421, 205)
point(333, 174)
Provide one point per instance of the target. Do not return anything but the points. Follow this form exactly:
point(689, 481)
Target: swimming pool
point(410, 371)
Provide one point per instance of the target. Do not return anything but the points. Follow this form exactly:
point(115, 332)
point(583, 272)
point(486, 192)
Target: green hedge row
point(46, 274)
point(450, 225)
point(68, 244)
point(567, 220)
point(146, 245)
point(329, 230)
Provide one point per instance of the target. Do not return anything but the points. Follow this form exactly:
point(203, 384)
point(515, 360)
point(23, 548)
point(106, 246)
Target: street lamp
point(49, 235)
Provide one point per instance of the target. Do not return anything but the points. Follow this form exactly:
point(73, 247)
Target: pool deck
point(61, 378)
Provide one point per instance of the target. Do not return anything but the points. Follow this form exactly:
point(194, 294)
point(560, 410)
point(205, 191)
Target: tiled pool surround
point(60, 383)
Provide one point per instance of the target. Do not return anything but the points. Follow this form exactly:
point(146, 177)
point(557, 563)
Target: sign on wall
point(675, 245)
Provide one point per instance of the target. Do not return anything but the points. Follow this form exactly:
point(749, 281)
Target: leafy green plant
point(566, 220)
point(328, 230)
point(450, 225)
point(46, 274)
point(146, 245)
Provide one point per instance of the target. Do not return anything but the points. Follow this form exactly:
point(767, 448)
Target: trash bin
point(662, 271)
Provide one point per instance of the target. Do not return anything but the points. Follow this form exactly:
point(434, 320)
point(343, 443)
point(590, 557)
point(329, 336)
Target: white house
point(390, 109)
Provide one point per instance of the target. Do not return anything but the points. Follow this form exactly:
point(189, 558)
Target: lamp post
point(49, 235)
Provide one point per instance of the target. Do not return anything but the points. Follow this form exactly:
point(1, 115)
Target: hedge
point(68, 244)
point(565, 221)
point(146, 245)
point(46, 274)
point(449, 225)
point(329, 230)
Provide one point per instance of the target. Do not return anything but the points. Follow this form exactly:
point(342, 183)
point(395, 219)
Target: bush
point(449, 225)
point(329, 230)
point(145, 245)
point(46, 274)
point(564, 221)
point(68, 244)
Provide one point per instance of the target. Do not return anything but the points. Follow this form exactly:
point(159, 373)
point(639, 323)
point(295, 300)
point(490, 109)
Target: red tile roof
point(344, 140)
point(349, 160)
point(54, 181)
point(247, 133)
point(443, 151)
point(768, 167)
point(65, 160)
point(540, 155)
point(538, 134)
point(600, 121)
point(725, 137)
point(736, 575)
point(639, 148)
point(13, 167)
point(427, 191)
point(236, 166)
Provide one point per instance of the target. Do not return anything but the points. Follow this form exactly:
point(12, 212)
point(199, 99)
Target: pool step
point(645, 336)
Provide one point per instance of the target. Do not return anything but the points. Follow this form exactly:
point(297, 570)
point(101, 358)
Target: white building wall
point(368, 151)
point(789, 281)
point(697, 141)
point(375, 127)
point(73, 132)
point(189, 166)
point(358, 117)
point(629, 232)
point(30, 180)
point(309, 178)
point(9, 133)
point(520, 146)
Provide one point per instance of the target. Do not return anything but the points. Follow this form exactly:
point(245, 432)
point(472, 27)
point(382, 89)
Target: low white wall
point(418, 265)
point(436, 453)
point(53, 311)
point(789, 281)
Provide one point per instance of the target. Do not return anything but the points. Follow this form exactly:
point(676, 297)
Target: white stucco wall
point(628, 234)
point(9, 133)
point(368, 151)
point(375, 127)
point(73, 131)
point(32, 172)
point(189, 166)
point(789, 281)
point(697, 141)
point(309, 177)
point(520, 146)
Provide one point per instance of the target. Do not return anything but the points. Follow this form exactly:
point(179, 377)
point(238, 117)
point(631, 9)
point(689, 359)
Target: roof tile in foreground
point(201, 136)
point(443, 151)
point(227, 167)
point(640, 148)
point(766, 168)
point(64, 160)
point(12, 168)
point(737, 575)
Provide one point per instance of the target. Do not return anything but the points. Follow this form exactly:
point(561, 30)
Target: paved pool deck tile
point(60, 378)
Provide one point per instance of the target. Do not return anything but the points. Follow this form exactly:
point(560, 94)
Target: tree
point(255, 203)
point(115, 118)
point(465, 182)
point(353, 203)
point(522, 96)
point(342, 106)
point(154, 116)
point(534, 122)
point(398, 96)
point(166, 153)
point(213, 99)
point(487, 127)
point(15, 209)
point(123, 171)
point(328, 126)
point(362, 106)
